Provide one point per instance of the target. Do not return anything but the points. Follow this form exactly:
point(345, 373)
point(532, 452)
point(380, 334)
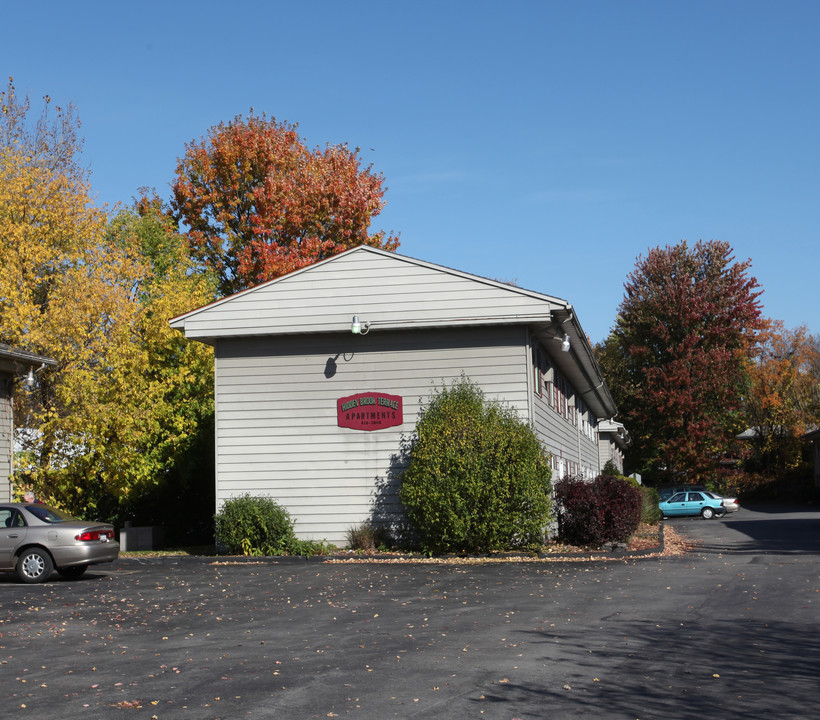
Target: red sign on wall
point(369, 411)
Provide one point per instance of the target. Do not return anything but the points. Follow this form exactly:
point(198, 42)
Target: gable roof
point(389, 290)
point(13, 360)
point(396, 292)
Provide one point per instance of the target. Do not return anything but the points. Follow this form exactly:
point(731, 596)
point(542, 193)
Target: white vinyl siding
point(609, 450)
point(285, 354)
point(381, 288)
point(560, 427)
point(276, 423)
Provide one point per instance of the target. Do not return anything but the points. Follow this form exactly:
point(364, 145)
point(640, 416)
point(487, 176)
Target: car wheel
point(34, 566)
point(707, 513)
point(73, 572)
point(720, 512)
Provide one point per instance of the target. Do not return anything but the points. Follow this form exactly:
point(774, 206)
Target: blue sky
point(546, 143)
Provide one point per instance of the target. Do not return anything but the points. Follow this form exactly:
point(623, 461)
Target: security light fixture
point(28, 381)
point(564, 340)
point(359, 328)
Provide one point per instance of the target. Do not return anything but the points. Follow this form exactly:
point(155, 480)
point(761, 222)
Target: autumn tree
point(124, 420)
point(678, 358)
point(63, 294)
point(52, 142)
point(258, 203)
point(170, 461)
point(814, 341)
point(125, 411)
point(783, 400)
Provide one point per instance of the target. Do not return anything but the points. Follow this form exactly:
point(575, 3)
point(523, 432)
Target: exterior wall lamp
point(565, 345)
point(359, 328)
point(28, 383)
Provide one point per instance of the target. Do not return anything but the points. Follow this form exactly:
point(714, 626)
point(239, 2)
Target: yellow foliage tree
point(783, 401)
point(60, 296)
point(112, 428)
point(128, 393)
point(175, 390)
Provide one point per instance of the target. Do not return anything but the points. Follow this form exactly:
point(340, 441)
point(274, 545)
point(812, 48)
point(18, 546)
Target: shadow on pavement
point(786, 536)
point(691, 666)
point(780, 508)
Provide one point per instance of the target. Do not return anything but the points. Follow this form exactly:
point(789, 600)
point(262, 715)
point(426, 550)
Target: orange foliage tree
point(783, 401)
point(258, 203)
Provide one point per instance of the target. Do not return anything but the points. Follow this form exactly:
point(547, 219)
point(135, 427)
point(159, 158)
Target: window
point(540, 366)
point(559, 398)
point(586, 426)
point(11, 518)
point(538, 363)
point(561, 393)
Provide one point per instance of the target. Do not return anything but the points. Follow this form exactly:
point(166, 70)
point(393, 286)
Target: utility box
point(149, 537)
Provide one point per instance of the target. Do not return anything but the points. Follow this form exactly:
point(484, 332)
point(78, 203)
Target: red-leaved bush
point(606, 509)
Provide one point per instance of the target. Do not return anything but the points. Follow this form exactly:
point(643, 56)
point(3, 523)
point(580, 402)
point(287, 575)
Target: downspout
point(578, 437)
point(530, 345)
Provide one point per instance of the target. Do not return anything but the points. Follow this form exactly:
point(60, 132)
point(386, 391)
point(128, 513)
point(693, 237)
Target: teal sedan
point(692, 503)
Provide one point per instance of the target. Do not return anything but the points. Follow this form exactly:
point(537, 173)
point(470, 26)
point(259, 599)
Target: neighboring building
point(13, 364)
point(313, 413)
point(613, 440)
point(814, 438)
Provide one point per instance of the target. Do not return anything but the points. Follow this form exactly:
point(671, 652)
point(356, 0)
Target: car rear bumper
point(86, 554)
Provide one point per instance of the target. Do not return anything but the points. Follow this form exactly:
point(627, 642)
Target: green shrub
point(650, 512)
point(477, 478)
point(250, 525)
point(309, 547)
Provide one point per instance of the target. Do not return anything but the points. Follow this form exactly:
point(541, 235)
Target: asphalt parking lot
point(728, 630)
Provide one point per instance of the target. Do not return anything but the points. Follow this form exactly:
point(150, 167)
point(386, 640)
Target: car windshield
point(49, 514)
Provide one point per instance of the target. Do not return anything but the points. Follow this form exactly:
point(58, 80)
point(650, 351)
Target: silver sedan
point(730, 503)
point(36, 539)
